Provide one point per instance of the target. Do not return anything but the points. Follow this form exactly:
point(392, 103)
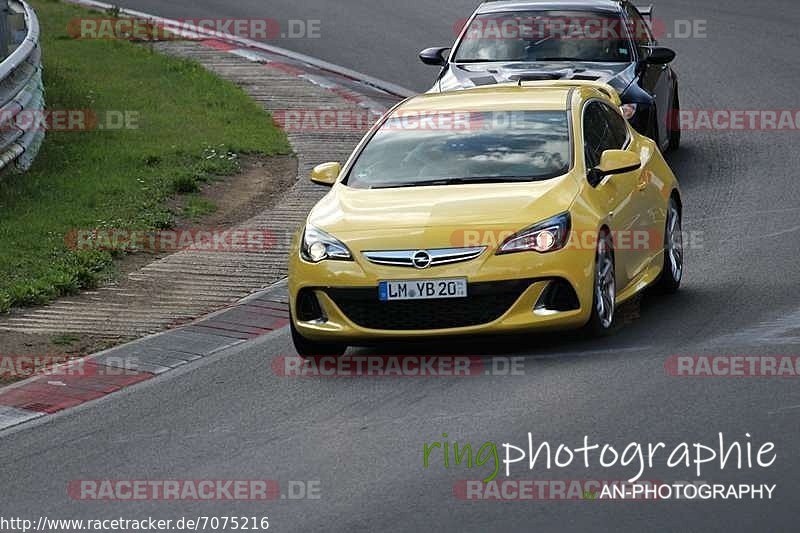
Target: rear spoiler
point(604, 88)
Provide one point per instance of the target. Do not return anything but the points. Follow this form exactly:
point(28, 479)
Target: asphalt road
point(230, 417)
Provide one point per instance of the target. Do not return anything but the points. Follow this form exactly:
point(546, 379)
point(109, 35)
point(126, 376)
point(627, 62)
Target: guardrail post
point(5, 33)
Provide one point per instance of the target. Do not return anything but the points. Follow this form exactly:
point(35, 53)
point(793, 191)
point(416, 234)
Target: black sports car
point(601, 40)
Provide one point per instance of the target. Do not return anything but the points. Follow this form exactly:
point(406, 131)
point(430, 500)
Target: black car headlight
point(544, 237)
point(316, 246)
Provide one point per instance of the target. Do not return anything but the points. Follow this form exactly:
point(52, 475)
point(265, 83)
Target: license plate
point(422, 289)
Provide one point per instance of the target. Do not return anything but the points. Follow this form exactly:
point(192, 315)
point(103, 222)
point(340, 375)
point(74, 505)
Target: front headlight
point(547, 236)
point(317, 246)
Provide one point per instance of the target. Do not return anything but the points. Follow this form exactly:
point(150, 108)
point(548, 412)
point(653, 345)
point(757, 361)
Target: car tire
point(672, 270)
point(602, 321)
point(674, 123)
point(308, 349)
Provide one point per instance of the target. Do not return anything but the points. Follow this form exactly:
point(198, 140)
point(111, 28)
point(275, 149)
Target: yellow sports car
point(510, 208)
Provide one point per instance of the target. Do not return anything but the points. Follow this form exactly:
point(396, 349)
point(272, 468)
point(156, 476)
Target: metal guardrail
point(22, 117)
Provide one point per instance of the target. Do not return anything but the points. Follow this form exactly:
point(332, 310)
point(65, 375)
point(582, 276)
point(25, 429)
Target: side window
point(618, 128)
point(596, 133)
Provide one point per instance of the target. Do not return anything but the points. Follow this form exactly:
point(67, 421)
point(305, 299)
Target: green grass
point(195, 207)
point(190, 128)
point(65, 339)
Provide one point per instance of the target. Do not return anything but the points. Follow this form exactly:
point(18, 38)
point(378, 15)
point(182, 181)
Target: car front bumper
point(507, 293)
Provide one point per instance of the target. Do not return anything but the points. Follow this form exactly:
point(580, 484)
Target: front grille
point(486, 303)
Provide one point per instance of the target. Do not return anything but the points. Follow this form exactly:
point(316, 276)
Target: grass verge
point(182, 126)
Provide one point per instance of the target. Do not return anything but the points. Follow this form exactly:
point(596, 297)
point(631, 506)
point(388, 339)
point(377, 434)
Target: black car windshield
point(546, 36)
point(443, 148)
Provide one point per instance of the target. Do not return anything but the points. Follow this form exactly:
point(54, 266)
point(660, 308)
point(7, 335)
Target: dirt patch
point(258, 187)
point(21, 353)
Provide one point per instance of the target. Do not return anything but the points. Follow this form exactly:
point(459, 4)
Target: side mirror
point(326, 173)
point(434, 56)
point(659, 55)
point(614, 162)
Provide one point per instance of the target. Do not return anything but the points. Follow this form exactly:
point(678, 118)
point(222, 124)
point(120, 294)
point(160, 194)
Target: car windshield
point(441, 148)
point(545, 36)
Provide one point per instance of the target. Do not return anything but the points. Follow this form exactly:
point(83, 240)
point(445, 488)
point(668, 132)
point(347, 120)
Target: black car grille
point(486, 303)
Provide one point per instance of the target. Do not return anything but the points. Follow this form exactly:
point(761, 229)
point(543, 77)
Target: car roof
point(504, 97)
point(501, 6)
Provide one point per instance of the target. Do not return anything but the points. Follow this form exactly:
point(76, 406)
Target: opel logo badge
point(421, 260)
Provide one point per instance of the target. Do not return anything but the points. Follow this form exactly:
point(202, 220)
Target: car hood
point(467, 75)
point(433, 217)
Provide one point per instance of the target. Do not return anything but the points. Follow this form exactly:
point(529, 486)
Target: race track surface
point(232, 418)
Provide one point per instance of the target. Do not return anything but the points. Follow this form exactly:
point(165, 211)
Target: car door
point(655, 79)
point(602, 132)
point(636, 237)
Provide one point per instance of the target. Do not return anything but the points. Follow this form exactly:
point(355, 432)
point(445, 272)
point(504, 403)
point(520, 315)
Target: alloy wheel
point(605, 284)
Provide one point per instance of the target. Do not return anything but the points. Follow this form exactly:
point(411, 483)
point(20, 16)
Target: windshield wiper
point(451, 181)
